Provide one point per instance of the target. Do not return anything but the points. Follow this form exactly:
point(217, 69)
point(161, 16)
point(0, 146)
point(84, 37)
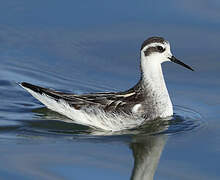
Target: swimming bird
point(115, 111)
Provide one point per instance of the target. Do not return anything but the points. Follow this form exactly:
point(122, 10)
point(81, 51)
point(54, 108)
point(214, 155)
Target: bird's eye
point(160, 48)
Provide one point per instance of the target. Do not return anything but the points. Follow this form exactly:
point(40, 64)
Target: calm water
point(90, 46)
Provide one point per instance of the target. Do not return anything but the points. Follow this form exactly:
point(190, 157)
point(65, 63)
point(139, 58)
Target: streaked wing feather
point(107, 100)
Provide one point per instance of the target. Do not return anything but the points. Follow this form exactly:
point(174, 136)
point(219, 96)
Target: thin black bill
point(175, 60)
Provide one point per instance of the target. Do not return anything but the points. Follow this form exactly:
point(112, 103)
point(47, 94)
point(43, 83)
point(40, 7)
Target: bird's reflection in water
point(147, 142)
point(147, 147)
point(146, 152)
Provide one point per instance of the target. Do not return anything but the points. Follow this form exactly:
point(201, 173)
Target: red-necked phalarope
point(114, 111)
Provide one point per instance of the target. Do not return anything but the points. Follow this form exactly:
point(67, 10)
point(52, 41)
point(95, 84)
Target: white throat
point(155, 87)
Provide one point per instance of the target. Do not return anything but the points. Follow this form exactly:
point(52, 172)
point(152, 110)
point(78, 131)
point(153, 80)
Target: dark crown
point(152, 40)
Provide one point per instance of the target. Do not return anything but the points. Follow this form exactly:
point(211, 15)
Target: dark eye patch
point(160, 48)
point(150, 50)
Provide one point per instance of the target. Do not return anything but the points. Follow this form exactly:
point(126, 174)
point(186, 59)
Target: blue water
point(90, 46)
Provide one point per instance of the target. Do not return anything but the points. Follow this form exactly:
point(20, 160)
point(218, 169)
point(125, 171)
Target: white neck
point(155, 87)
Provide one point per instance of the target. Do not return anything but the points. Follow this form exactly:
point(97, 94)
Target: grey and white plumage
point(147, 100)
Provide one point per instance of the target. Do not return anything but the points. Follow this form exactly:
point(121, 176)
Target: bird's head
point(157, 50)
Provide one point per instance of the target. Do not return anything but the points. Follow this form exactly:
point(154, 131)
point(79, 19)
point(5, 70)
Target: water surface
point(90, 46)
